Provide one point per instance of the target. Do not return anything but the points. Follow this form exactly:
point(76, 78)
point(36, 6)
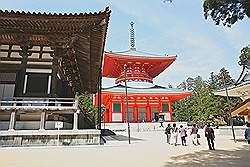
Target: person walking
point(193, 134)
point(183, 134)
point(247, 133)
point(209, 134)
point(175, 134)
point(168, 133)
point(161, 122)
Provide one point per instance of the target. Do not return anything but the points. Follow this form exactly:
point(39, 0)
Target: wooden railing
point(36, 103)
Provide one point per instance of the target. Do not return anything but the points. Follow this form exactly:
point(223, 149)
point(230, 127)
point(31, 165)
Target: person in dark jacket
point(209, 134)
point(168, 133)
point(247, 133)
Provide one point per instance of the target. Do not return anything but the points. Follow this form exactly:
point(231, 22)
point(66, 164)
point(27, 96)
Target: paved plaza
point(150, 151)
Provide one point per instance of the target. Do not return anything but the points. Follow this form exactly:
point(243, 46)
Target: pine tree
point(203, 106)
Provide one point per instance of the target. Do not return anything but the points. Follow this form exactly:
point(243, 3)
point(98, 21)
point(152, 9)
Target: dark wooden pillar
point(21, 74)
point(57, 53)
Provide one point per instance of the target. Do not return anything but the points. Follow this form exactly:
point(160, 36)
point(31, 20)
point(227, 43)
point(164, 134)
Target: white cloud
point(201, 47)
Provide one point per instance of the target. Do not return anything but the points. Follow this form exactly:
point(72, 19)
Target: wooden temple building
point(145, 104)
point(46, 60)
point(240, 89)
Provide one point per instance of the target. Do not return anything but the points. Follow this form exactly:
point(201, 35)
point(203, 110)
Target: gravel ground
point(150, 151)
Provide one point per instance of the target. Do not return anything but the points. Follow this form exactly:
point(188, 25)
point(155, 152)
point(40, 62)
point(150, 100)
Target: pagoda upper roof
point(173, 93)
point(141, 66)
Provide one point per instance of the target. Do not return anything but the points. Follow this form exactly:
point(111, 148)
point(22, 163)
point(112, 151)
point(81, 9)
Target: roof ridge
point(2, 12)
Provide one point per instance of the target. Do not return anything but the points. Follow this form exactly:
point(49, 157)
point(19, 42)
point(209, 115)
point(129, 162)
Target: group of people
point(174, 132)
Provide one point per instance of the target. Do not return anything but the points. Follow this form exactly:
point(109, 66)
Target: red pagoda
point(145, 104)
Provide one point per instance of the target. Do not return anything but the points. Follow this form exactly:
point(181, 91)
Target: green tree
point(224, 78)
point(245, 56)
point(86, 103)
point(213, 81)
point(203, 106)
point(226, 11)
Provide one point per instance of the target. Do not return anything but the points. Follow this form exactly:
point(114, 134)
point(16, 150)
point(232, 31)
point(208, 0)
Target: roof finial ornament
point(132, 36)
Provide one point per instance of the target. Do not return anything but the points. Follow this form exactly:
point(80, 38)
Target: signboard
point(58, 124)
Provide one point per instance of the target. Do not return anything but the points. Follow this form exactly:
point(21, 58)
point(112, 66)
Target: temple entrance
point(142, 116)
point(130, 114)
point(154, 114)
point(37, 84)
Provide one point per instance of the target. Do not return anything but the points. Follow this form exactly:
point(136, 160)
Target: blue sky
point(163, 28)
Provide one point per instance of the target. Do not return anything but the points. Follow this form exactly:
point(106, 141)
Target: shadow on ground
point(123, 138)
point(219, 158)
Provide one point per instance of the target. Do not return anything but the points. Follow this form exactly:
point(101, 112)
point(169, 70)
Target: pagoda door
point(130, 114)
point(154, 113)
point(142, 114)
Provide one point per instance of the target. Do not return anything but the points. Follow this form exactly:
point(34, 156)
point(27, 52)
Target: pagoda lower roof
point(137, 53)
point(175, 94)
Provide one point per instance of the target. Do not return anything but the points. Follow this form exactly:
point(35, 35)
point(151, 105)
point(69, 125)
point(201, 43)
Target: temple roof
point(242, 109)
point(141, 66)
point(80, 38)
point(136, 53)
point(49, 23)
point(241, 90)
point(176, 94)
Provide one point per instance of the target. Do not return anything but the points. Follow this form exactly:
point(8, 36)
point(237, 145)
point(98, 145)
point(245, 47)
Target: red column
point(148, 112)
point(106, 116)
point(135, 112)
point(123, 110)
point(110, 111)
point(160, 106)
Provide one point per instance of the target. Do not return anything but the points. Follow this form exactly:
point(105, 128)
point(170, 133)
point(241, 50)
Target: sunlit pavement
point(150, 151)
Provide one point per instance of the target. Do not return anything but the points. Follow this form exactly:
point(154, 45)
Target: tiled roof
point(136, 53)
point(150, 90)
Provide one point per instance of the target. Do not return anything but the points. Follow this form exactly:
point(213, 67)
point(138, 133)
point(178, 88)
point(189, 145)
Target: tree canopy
point(245, 56)
point(203, 106)
point(226, 11)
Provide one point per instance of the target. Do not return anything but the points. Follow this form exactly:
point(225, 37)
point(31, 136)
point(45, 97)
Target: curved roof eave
point(150, 90)
point(139, 54)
